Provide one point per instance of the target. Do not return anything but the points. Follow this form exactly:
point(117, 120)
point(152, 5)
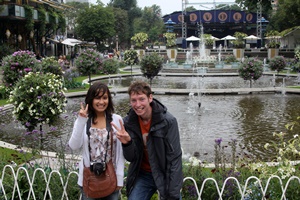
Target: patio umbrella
point(192, 38)
point(214, 38)
point(252, 37)
point(71, 41)
point(228, 37)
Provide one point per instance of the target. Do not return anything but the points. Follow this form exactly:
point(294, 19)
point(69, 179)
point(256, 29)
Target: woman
point(97, 145)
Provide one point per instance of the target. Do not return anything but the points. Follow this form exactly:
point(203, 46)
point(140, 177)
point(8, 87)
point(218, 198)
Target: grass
point(18, 157)
point(3, 102)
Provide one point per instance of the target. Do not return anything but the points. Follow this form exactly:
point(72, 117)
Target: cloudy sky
point(169, 6)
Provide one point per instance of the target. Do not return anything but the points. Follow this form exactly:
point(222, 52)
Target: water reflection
point(250, 119)
point(207, 82)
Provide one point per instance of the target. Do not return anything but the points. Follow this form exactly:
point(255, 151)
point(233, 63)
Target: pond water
point(251, 120)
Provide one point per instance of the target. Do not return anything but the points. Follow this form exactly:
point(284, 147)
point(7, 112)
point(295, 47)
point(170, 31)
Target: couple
point(148, 138)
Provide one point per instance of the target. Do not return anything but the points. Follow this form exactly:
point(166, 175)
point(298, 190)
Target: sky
point(169, 6)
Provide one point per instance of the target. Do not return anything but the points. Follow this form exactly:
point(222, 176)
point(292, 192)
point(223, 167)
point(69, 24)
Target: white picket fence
point(15, 191)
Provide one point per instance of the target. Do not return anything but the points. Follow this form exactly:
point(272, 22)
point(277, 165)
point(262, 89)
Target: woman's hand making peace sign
point(83, 112)
point(122, 135)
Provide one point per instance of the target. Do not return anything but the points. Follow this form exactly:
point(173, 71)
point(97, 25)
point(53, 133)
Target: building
point(35, 25)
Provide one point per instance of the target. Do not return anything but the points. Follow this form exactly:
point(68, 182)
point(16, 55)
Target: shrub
point(17, 65)
point(70, 81)
point(89, 62)
point(277, 63)
point(151, 64)
point(230, 58)
point(297, 53)
point(251, 69)
point(51, 65)
point(110, 66)
point(5, 50)
point(38, 99)
point(171, 39)
point(140, 39)
point(130, 57)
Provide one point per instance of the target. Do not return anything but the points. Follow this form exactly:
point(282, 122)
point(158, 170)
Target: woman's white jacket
point(79, 139)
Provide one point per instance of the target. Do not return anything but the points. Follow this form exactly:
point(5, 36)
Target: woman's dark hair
point(94, 91)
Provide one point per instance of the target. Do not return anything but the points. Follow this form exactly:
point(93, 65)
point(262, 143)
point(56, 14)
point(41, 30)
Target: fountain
point(203, 60)
point(189, 58)
point(217, 116)
point(219, 64)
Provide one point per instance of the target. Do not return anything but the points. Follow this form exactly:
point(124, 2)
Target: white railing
point(12, 177)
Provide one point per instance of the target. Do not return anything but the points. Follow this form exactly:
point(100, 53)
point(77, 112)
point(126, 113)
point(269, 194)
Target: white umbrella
point(71, 41)
point(214, 38)
point(252, 37)
point(192, 38)
point(228, 37)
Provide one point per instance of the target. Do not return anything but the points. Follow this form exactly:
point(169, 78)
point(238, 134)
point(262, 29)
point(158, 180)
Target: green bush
point(89, 62)
point(251, 69)
point(230, 58)
point(110, 66)
point(17, 65)
point(38, 99)
point(151, 64)
point(51, 65)
point(5, 50)
point(277, 63)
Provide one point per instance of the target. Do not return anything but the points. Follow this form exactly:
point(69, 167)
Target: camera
point(98, 167)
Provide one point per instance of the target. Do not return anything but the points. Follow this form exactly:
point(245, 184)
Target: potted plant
point(231, 59)
point(239, 45)
point(171, 43)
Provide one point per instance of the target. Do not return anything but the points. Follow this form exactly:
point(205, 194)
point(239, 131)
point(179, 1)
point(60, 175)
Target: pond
point(249, 119)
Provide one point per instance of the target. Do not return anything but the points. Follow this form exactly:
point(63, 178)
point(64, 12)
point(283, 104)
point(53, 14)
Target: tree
point(96, 24)
point(130, 57)
point(277, 63)
point(121, 25)
point(150, 22)
point(71, 14)
point(151, 64)
point(251, 6)
point(130, 6)
point(286, 16)
point(251, 69)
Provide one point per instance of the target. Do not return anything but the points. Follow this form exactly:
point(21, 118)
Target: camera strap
point(108, 128)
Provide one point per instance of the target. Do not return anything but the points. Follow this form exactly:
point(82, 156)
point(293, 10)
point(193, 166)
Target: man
point(151, 143)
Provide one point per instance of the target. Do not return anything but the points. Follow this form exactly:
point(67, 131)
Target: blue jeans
point(113, 196)
point(144, 187)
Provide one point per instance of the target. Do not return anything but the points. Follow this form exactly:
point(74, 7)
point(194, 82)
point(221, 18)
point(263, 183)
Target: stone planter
point(272, 52)
point(219, 65)
point(187, 66)
point(235, 65)
point(172, 53)
point(239, 53)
